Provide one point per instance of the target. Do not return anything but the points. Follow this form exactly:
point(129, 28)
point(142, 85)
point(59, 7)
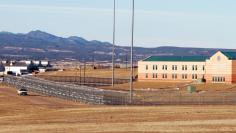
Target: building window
point(194, 67)
point(218, 79)
point(154, 75)
point(146, 75)
point(174, 76)
point(164, 76)
point(184, 67)
point(146, 67)
point(184, 76)
point(218, 58)
point(203, 68)
point(164, 67)
point(174, 67)
point(194, 76)
point(155, 67)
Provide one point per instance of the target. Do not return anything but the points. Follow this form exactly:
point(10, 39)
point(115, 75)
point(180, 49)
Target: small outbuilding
point(2, 69)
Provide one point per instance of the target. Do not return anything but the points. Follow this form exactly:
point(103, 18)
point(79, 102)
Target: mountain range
point(42, 45)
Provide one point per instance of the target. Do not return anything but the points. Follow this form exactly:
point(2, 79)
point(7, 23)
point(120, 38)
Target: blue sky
point(189, 23)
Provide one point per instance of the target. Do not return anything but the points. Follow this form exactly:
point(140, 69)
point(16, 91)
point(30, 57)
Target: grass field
point(102, 73)
point(140, 85)
point(36, 113)
point(145, 85)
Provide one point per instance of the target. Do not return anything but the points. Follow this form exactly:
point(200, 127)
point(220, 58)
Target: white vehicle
point(1, 79)
point(22, 92)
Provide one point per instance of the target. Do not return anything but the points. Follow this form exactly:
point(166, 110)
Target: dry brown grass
point(43, 114)
point(215, 87)
point(139, 85)
point(103, 73)
point(150, 85)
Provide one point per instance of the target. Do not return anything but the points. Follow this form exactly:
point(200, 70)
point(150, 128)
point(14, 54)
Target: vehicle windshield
point(22, 90)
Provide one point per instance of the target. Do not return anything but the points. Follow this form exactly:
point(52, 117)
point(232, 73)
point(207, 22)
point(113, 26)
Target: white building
point(44, 63)
point(15, 67)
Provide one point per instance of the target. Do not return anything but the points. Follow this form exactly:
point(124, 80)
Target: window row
point(174, 76)
point(175, 67)
point(218, 79)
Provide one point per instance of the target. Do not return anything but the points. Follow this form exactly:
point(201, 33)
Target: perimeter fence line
point(68, 91)
point(94, 95)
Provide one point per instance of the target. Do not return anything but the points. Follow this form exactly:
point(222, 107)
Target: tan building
point(219, 68)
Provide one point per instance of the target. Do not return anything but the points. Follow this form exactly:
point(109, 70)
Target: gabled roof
point(16, 64)
point(230, 55)
point(177, 58)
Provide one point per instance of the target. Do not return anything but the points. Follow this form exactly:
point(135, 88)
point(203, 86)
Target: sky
point(182, 23)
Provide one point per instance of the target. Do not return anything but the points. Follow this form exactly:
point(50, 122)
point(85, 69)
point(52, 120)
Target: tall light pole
point(113, 49)
point(131, 60)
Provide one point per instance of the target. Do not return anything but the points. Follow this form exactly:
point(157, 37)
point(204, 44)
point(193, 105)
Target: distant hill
point(41, 45)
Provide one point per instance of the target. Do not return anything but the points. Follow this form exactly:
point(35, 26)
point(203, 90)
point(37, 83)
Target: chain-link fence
point(99, 96)
point(68, 91)
point(178, 97)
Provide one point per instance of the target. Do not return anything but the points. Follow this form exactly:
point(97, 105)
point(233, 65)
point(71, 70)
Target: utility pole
point(131, 61)
point(126, 61)
point(80, 72)
point(93, 61)
point(76, 74)
point(84, 70)
point(113, 49)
